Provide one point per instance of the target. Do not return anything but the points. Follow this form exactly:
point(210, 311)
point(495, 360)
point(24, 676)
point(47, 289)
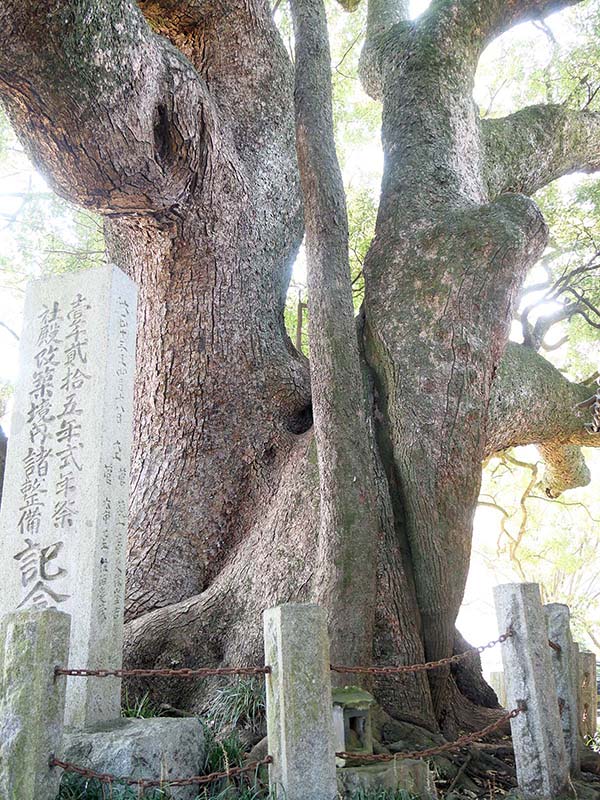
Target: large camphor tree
point(210, 155)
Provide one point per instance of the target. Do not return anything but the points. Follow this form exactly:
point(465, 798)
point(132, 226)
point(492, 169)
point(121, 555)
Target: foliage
point(238, 704)
point(40, 234)
point(221, 753)
point(552, 62)
point(527, 537)
point(139, 708)
point(74, 788)
point(594, 743)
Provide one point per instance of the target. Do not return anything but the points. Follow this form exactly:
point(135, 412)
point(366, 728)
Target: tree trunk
point(185, 142)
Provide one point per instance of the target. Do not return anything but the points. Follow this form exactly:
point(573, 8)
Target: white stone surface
point(63, 523)
point(160, 748)
point(589, 692)
point(299, 708)
point(496, 681)
point(32, 703)
point(540, 754)
point(411, 775)
point(564, 665)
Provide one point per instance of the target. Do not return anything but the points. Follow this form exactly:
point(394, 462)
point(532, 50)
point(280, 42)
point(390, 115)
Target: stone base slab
point(413, 776)
point(156, 748)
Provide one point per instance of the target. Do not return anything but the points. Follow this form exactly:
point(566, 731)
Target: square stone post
point(299, 704)
point(589, 693)
point(496, 681)
point(63, 523)
point(564, 664)
point(32, 702)
point(577, 662)
point(540, 754)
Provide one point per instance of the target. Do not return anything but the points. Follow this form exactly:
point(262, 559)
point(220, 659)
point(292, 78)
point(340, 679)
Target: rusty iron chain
point(160, 673)
point(406, 668)
point(462, 741)
point(206, 672)
point(147, 783)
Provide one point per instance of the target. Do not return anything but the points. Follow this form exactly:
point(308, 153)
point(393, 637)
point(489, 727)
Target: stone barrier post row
point(299, 707)
point(565, 669)
point(589, 694)
point(32, 702)
point(540, 754)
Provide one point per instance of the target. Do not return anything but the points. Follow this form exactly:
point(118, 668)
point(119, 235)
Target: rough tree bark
point(175, 120)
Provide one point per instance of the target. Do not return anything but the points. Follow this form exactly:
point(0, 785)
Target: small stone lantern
point(352, 721)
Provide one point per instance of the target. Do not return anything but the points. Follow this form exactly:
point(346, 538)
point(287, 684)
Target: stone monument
point(63, 522)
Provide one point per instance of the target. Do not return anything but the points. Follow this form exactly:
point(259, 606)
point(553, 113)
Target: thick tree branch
point(484, 20)
point(533, 403)
point(109, 110)
point(529, 149)
point(349, 520)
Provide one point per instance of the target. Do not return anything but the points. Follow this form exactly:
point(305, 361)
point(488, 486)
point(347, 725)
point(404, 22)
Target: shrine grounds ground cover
point(71, 790)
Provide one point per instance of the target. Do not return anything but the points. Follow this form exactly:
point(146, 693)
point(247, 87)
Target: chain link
point(442, 748)
point(206, 672)
point(147, 783)
point(160, 673)
point(406, 668)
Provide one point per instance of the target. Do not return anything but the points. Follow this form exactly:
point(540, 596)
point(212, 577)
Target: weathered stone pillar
point(496, 681)
point(589, 693)
point(540, 754)
point(564, 665)
point(577, 662)
point(63, 524)
point(32, 702)
point(299, 705)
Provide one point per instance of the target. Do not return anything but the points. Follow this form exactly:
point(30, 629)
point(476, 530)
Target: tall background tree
point(175, 122)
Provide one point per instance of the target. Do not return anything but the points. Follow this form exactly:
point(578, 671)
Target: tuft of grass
point(140, 708)
point(229, 793)
point(239, 704)
point(594, 742)
point(74, 787)
point(221, 753)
